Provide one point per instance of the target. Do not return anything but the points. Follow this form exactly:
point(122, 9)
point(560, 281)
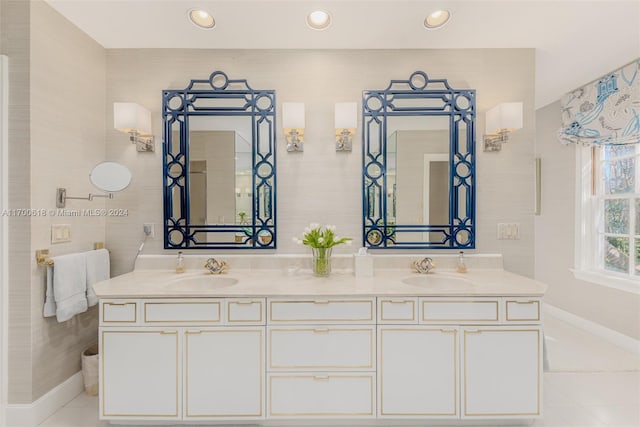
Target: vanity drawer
point(445, 310)
point(197, 311)
point(322, 348)
point(118, 312)
point(322, 311)
point(522, 310)
point(322, 395)
point(398, 310)
point(245, 311)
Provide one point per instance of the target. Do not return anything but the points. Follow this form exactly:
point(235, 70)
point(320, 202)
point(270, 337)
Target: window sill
point(610, 281)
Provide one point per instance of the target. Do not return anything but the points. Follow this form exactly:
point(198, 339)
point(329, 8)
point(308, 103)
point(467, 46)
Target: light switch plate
point(509, 231)
point(60, 233)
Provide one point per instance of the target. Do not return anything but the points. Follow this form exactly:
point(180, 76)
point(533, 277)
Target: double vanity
point(258, 345)
point(269, 343)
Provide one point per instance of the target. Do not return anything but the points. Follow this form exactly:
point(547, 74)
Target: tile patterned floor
point(591, 383)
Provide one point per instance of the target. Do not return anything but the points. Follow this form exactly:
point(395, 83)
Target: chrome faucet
point(424, 266)
point(216, 267)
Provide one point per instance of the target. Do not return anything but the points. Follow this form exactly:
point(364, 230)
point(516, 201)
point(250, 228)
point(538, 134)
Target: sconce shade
point(346, 115)
point(504, 117)
point(130, 117)
point(293, 115)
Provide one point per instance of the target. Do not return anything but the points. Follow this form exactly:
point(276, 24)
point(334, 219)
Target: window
point(619, 201)
point(617, 179)
point(600, 114)
point(608, 243)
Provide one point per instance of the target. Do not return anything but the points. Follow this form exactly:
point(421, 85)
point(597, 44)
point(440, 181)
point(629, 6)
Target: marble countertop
point(158, 283)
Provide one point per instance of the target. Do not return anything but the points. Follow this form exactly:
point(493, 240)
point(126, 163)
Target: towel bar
point(43, 255)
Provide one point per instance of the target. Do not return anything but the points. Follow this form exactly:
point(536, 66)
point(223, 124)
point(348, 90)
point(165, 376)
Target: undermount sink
point(199, 282)
point(437, 281)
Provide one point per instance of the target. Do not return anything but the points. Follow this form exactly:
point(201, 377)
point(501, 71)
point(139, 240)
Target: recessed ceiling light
point(318, 20)
point(437, 19)
point(201, 19)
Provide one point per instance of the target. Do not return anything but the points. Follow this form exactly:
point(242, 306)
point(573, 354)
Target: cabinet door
point(224, 369)
point(501, 372)
point(417, 371)
point(140, 373)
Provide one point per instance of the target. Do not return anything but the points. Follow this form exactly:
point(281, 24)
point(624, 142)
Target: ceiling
point(575, 41)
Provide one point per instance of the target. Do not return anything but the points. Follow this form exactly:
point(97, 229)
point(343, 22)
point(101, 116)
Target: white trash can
point(90, 365)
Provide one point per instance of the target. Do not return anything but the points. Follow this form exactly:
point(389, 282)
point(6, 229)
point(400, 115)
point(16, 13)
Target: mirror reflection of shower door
point(436, 184)
point(198, 191)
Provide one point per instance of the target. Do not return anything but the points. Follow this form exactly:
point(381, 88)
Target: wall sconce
point(293, 124)
point(237, 192)
point(247, 191)
point(135, 120)
point(500, 120)
point(345, 121)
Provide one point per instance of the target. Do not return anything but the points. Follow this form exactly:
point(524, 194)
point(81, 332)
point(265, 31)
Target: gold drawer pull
point(118, 304)
point(473, 331)
point(194, 332)
point(245, 302)
point(321, 378)
point(448, 331)
point(321, 302)
point(524, 302)
point(399, 301)
point(321, 331)
point(168, 332)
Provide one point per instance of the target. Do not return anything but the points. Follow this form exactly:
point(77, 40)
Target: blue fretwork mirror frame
point(419, 96)
point(219, 96)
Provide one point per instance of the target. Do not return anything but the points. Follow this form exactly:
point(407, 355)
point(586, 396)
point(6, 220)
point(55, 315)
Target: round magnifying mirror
point(110, 177)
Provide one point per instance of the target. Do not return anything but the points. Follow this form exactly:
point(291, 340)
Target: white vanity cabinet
point(404, 358)
point(182, 359)
point(468, 358)
point(321, 358)
point(502, 365)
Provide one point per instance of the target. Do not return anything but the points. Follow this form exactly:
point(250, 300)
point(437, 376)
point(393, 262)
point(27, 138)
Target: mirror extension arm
point(61, 197)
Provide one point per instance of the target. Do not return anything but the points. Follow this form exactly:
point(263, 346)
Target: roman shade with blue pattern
point(605, 111)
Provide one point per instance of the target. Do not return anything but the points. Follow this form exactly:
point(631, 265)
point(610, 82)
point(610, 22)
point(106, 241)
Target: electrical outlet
point(149, 230)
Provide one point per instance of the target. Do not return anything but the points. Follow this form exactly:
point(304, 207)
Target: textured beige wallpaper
point(57, 122)
point(16, 44)
point(67, 140)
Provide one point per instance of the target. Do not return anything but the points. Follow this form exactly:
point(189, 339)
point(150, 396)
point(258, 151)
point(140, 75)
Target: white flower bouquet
point(321, 239)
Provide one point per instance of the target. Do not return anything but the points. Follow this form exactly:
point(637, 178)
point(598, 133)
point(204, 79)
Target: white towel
point(97, 271)
point(49, 301)
point(70, 285)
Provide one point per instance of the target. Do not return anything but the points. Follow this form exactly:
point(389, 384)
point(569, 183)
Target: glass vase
point(321, 262)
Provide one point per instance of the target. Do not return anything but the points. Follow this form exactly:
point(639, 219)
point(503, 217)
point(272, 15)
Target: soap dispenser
point(180, 263)
point(461, 267)
point(363, 263)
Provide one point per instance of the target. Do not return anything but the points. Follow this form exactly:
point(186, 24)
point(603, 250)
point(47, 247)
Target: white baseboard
point(32, 414)
point(614, 337)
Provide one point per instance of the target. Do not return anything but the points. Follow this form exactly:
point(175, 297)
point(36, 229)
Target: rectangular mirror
point(418, 165)
point(219, 165)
